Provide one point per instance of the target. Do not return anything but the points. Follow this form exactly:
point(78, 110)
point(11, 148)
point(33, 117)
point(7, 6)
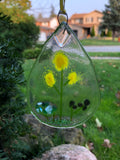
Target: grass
point(108, 112)
point(108, 73)
point(104, 54)
point(97, 42)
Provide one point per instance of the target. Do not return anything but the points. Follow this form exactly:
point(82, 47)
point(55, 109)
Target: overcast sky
point(71, 6)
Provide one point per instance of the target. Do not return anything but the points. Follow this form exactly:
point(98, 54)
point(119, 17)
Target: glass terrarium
point(62, 86)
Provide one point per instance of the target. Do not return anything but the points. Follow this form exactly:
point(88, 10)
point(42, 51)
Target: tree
point(92, 32)
point(40, 16)
point(52, 13)
point(16, 9)
point(111, 17)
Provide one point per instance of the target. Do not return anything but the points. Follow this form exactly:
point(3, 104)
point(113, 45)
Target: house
point(47, 27)
point(81, 24)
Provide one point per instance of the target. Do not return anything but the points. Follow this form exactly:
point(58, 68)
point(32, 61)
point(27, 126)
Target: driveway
point(102, 48)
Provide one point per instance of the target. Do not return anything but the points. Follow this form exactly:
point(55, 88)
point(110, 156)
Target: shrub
point(92, 32)
point(31, 53)
point(34, 53)
point(24, 34)
point(12, 104)
point(109, 33)
point(102, 33)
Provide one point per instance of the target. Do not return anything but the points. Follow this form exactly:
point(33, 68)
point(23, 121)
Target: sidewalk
point(102, 48)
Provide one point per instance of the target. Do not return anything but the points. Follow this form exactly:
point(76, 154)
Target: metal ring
point(64, 13)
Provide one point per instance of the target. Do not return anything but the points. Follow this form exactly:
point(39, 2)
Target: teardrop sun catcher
point(62, 86)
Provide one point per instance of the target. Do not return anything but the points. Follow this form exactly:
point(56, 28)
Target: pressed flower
point(72, 77)
point(80, 104)
point(49, 78)
point(86, 102)
point(60, 61)
point(71, 103)
point(74, 107)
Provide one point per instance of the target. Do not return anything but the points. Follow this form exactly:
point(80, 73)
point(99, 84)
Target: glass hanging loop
point(62, 15)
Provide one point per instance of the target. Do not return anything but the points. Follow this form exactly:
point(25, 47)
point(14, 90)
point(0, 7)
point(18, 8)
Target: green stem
point(66, 82)
point(61, 94)
point(56, 89)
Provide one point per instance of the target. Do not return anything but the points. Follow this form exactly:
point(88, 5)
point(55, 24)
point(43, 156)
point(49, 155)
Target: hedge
point(31, 53)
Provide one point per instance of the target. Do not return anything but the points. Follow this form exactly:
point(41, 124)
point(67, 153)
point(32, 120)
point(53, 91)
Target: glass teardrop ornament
point(62, 86)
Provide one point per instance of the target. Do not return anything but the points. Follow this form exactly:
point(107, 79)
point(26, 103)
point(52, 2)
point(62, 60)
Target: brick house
point(81, 24)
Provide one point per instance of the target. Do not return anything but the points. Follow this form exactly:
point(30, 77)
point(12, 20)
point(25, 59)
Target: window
point(80, 21)
point(45, 24)
point(87, 19)
point(99, 19)
point(77, 21)
point(92, 19)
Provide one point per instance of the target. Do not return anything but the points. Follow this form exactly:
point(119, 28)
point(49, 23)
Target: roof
point(81, 15)
point(83, 25)
point(97, 11)
point(44, 19)
point(46, 28)
point(78, 15)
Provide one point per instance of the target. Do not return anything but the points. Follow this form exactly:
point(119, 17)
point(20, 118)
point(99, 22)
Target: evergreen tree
point(52, 13)
point(92, 32)
point(111, 17)
point(40, 16)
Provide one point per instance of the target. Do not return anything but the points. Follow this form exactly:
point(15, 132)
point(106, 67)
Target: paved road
point(105, 58)
point(102, 48)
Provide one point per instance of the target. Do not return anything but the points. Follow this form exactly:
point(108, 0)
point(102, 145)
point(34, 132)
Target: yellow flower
point(60, 60)
point(73, 78)
point(49, 78)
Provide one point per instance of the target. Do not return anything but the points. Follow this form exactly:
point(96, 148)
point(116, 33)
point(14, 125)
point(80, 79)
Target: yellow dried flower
point(73, 78)
point(49, 78)
point(60, 60)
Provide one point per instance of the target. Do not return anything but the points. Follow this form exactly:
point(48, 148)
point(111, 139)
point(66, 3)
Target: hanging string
point(62, 6)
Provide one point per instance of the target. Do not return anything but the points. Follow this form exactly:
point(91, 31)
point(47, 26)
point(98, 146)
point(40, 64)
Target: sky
point(71, 6)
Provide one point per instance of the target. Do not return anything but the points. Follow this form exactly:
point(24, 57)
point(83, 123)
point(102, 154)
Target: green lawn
point(97, 42)
point(108, 75)
point(104, 54)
